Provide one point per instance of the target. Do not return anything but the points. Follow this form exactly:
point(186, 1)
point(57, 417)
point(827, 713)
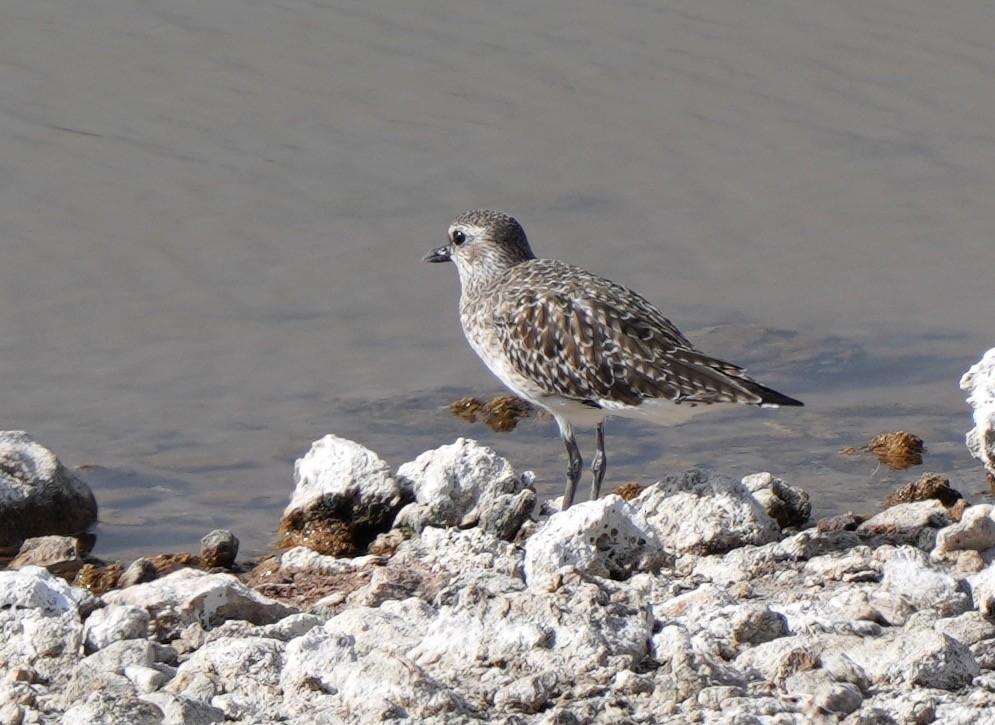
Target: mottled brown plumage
point(579, 345)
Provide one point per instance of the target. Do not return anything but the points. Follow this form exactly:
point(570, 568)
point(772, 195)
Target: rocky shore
point(442, 593)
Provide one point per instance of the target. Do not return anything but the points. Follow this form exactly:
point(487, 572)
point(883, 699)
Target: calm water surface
point(212, 217)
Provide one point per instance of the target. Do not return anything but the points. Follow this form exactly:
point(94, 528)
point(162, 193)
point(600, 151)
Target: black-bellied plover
point(580, 346)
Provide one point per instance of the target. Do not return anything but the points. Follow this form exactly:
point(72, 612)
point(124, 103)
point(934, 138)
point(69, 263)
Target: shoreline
point(443, 593)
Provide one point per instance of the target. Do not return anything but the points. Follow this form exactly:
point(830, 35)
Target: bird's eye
point(458, 238)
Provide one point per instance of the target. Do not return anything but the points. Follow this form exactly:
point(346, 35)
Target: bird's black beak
point(441, 254)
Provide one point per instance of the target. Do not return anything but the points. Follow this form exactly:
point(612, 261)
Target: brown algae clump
point(502, 413)
point(898, 450)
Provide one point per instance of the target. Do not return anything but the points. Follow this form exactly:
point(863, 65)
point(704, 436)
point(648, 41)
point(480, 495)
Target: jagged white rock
point(115, 622)
point(979, 381)
point(607, 537)
point(907, 572)
point(701, 513)
point(975, 531)
point(348, 482)
point(466, 484)
point(188, 596)
point(787, 505)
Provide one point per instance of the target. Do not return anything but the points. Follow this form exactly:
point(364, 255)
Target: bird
point(578, 345)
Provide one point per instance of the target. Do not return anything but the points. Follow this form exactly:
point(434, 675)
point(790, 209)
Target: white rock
point(982, 587)
point(108, 708)
point(244, 674)
point(526, 694)
point(116, 656)
point(703, 513)
point(33, 587)
point(301, 558)
point(694, 603)
point(453, 551)
point(817, 690)
point(907, 572)
point(180, 710)
point(913, 707)
point(967, 628)
point(38, 495)
point(188, 595)
point(979, 381)
point(975, 531)
point(50, 635)
point(852, 565)
point(912, 523)
point(115, 622)
point(146, 679)
point(324, 673)
point(465, 484)
point(923, 657)
point(345, 481)
point(607, 537)
point(492, 619)
point(290, 627)
point(787, 505)
point(395, 627)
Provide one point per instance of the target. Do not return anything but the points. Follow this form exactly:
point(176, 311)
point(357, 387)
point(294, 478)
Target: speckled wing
point(583, 337)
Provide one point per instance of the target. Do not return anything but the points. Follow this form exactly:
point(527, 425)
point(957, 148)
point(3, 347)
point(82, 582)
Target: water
point(212, 216)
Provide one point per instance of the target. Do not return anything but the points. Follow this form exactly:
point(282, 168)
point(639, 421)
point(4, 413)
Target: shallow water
point(213, 216)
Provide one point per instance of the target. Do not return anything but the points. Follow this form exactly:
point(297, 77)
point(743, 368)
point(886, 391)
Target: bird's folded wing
point(608, 344)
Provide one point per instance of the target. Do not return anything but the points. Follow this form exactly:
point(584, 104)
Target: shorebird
point(580, 346)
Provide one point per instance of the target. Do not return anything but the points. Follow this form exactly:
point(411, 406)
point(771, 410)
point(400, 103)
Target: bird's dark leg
point(599, 463)
point(574, 469)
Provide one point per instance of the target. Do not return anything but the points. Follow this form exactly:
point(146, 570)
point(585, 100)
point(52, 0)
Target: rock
point(396, 626)
point(244, 675)
point(979, 381)
point(38, 495)
point(146, 679)
point(787, 505)
point(35, 588)
point(61, 555)
point(968, 628)
point(982, 587)
point(924, 657)
point(190, 595)
point(325, 673)
point(607, 537)
point(219, 549)
point(817, 691)
point(907, 572)
point(527, 694)
point(116, 656)
point(139, 571)
point(180, 710)
point(841, 522)
point(113, 623)
point(701, 513)
point(344, 496)
point(975, 532)
point(110, 709)
point(466, 484)
point(387, 583)
point(908, 523)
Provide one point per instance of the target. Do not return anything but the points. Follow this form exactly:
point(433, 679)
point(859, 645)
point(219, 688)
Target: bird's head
point(482, 244)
